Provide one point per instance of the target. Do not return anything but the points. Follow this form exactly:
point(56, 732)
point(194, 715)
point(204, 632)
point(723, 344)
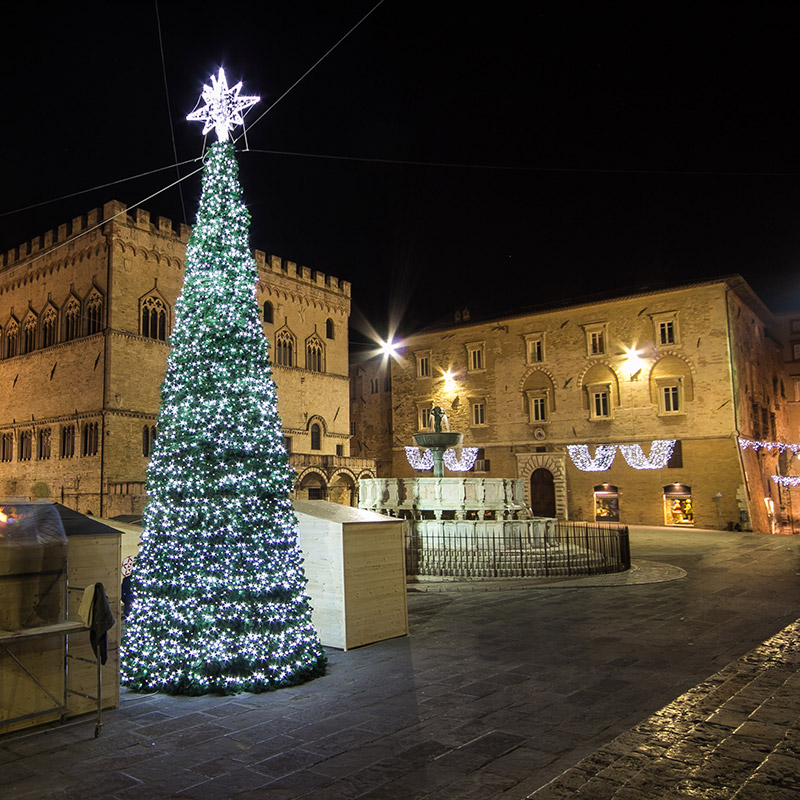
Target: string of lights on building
point(660, 453)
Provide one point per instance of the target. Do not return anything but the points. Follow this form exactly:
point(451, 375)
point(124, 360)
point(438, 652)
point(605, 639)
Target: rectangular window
point(287, 444)
point(538, 409)
point(795, 326)
point(535, 351)
point(666, 332)
point(600, 404)
point(89, 439)
point(339, 449)
point(481, 462)
point(596, 339)
point(373, 385)
point(676, 459)
point(796, 351)
point(43, 450)
point(475, 357)
point(670, 398)
point(423, 365)
point(352, 428)
point(424, 418)
point(479, 413)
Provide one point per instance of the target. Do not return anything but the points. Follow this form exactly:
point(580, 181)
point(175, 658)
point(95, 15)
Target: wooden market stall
point(355, 565)
point(49, 555)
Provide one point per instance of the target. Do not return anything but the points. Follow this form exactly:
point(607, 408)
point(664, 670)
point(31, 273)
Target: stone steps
point(736, 735)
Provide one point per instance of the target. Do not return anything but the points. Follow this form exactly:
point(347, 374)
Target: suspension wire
point(315, 65)
point(100, 186)
point(100, 224)
point(169, 109)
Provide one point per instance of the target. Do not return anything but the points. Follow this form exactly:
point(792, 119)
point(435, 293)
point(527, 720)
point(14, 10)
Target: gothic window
point(148, 439)
point(7, 447)
point(67, 441)
point(269, 315)
point(94, 313)
point(72, 319)
point(49, 327)
point(316, 437)
point(12, 339)
point(43, 449)
point(315, 355)
point(89, 440)
point(329, 329)
point(284, 349)
point(154, 318)
point(29, 334)
point(25, 445)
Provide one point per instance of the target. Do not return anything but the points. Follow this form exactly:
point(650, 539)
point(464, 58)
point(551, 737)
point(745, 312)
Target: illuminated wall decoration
point(604, 455)
point(757, 445)
point(462, 464)
point(660, 454)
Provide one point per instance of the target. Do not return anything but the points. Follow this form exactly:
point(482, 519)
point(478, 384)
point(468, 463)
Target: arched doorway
point(543, 493)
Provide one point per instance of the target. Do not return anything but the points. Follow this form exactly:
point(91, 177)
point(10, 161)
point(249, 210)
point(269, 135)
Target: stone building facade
point(85, 316)
point(705, 365)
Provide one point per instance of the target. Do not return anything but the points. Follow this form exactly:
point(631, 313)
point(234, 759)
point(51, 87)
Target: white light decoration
point(421, 461)
point(603, 457)
point(223, 106)
point(463, 464)
point(757, 445)
point(660, 453)
point(787, 480)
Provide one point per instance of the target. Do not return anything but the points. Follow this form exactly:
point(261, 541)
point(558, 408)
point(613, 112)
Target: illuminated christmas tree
point(219, 603)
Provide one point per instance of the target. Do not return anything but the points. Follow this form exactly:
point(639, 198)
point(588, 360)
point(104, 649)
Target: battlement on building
point(138, 218)
point(281, 266)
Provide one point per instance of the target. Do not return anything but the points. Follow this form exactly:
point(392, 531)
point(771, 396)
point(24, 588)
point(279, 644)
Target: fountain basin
point(438, 439)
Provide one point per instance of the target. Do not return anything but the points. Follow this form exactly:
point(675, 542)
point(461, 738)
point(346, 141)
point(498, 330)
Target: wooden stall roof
point(335, 512)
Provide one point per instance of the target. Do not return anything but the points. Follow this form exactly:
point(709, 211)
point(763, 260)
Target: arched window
point(268, 312)
point(90, 439)
point(154, 318)
point(72, 319)
point(329, 329)
point(316, 437)
point(314, 355)
point(12, 339)
point(49, 323)
point(94, 313)
point(284, 349)
point(29, 334)
point(148, 439)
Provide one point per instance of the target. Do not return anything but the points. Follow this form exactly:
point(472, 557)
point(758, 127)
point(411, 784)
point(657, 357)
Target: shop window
point(678, 504)
point(606, 503)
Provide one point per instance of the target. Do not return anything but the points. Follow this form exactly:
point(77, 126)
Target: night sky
point(495, 158)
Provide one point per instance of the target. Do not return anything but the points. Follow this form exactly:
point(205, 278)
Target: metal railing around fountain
point(514, 549)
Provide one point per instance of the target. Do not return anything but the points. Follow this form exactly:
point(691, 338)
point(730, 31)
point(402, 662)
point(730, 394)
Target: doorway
point(543, 493)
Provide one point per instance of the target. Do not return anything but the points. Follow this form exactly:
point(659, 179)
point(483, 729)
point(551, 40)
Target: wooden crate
point(355, 565)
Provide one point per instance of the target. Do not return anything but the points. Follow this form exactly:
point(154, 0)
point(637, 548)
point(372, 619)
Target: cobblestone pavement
point(495, 695)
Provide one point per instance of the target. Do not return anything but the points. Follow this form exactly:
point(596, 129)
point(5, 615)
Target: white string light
point(462, 464)
point(421, 461)
point(787, 480)
point(757, 445)
point(603, 457)
point(660, 453)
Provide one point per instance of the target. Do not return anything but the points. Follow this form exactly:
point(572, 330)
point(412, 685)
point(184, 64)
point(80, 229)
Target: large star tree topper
point(223, 106)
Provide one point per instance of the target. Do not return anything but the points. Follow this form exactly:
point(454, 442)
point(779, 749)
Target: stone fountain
point(438, 441)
